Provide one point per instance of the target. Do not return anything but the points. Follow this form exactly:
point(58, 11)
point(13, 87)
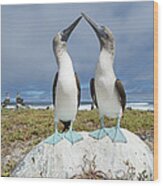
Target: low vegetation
point(23, 129)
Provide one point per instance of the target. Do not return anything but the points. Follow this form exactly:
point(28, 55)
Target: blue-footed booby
point(66, 89)
point(6, 101)
point(107, 91)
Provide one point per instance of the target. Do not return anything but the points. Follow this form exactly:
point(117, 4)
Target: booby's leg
point(56, 137)
point(116, 134)
point(100, 133)
point(72, 136)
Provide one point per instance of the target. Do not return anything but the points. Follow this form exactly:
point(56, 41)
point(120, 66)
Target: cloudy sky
point(28, 63)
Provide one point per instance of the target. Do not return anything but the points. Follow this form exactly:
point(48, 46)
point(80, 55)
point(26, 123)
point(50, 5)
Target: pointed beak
point(67, 32)
point(98, 29)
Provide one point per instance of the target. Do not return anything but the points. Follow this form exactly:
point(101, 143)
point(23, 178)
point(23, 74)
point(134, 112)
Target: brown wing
point(79, 90)
point(54, 87)
point(121, 92)
point(92, 90)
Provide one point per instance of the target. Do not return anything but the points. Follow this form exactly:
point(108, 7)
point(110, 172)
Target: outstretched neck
point(59, 50)
point(64, 61)
point(106, 59)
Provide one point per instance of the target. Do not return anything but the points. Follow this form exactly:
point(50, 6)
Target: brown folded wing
point(121, 93)
point(92, 90)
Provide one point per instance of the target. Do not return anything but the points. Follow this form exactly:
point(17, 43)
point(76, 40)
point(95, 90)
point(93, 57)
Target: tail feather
point(66, 125)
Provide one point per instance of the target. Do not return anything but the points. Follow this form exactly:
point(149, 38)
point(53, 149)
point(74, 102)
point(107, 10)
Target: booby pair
point(107, 91)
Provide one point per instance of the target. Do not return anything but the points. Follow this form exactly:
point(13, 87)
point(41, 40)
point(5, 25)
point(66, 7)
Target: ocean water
point(43, 99)
point(87, 106)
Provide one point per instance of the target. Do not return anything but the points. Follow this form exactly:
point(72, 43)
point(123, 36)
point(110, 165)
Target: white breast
point(107, 95)
point(66, 92)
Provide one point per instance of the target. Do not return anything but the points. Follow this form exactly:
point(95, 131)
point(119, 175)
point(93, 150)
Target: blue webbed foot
point(54, 139)
point(73, 136)
point(98, 134)
point(116, 135)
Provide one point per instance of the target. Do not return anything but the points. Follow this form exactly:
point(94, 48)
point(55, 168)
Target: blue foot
point(116, 135)
point(73, 136)
point(54, 139)
point(99, 134)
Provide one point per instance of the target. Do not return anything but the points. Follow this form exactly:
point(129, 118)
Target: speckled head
point(62, 37)
point(103, 33)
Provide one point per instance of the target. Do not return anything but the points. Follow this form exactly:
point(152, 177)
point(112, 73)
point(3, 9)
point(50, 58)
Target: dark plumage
point(121, 92)
point(92, 90)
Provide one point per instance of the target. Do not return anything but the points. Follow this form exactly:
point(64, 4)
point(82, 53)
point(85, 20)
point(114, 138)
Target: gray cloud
point(28, 61)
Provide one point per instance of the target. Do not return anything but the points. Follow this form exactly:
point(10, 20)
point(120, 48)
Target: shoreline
point(142, 106)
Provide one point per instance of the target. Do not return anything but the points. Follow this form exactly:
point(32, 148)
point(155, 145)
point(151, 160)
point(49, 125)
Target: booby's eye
point(104, 32)
point(106, 36)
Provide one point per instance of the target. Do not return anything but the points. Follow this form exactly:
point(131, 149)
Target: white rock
point(116, 160)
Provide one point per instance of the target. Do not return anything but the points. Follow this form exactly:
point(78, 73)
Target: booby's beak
point(67, 32)
point(99, 30)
